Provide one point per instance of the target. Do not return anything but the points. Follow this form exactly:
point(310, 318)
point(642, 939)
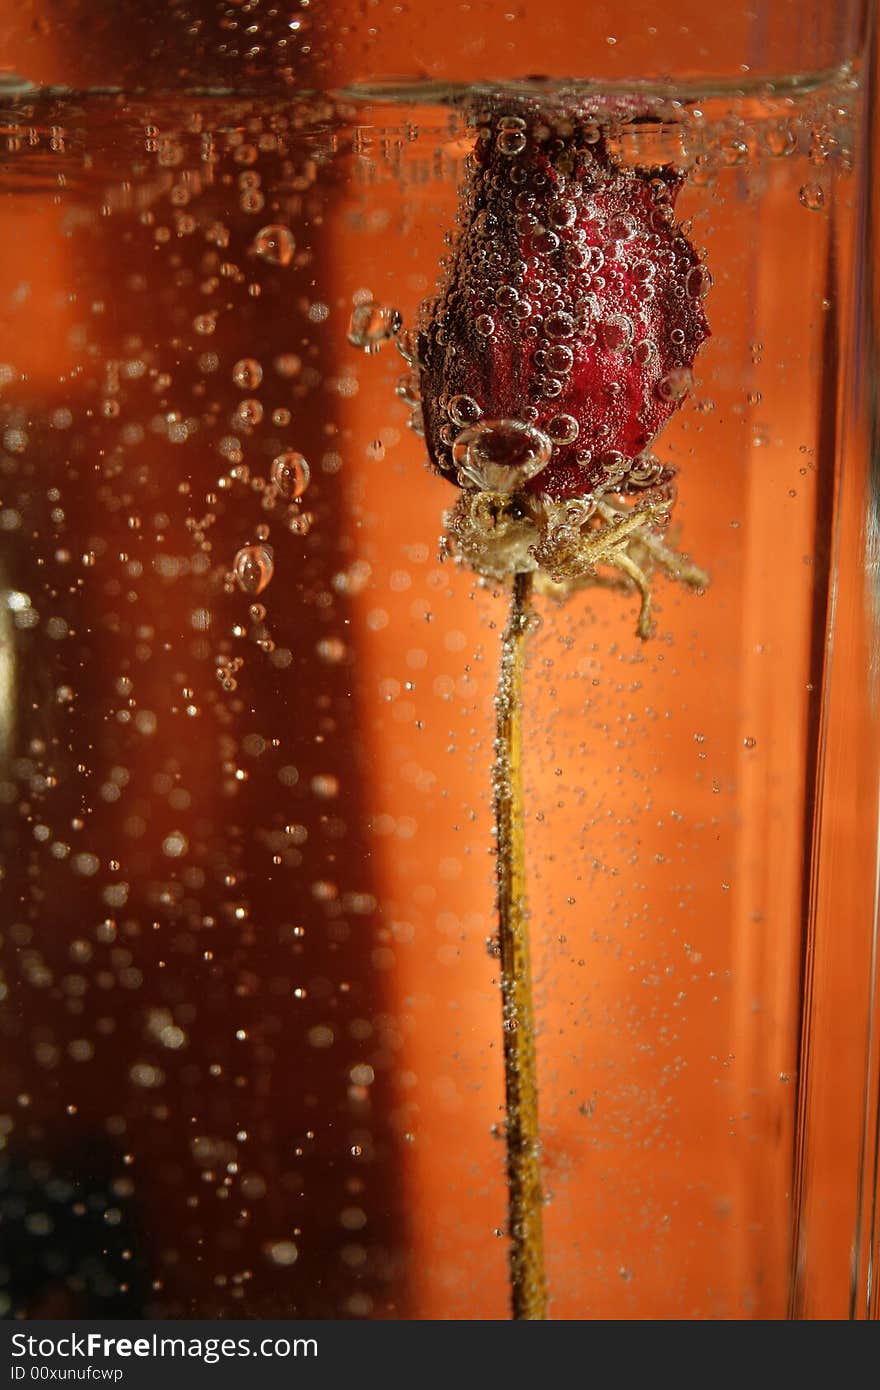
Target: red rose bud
point(564, 336)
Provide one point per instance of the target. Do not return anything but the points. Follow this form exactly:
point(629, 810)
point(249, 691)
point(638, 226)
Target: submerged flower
point(564, 336)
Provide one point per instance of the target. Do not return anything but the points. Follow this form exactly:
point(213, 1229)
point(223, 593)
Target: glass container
point(252, 1030)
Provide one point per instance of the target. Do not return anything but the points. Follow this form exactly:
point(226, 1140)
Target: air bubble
point(248, 414)
point(617, 332)
point(290, 473)
point(511, 142)
point(408, 388)
point(501, 455)
point(464, 410)
point(405, 342)
point(545, 242)
point(622, 227)
point(735, 152)
point(644, 351)
point(281, 1252)
point(275, 244)
point(559, 324)
point(485, 325)
point(645, 472)
point(247, 373)
point(781, 140)
point(676, 384)
point(253, 568)
point(563, 429)
point(560, 358)
point(812, 197)
point(698, 281)
point(614, 466)
point(371, 325)
point(562, 214)
point(662, 217)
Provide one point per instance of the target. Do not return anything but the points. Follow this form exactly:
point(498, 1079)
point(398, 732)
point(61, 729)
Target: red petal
point(571, 293)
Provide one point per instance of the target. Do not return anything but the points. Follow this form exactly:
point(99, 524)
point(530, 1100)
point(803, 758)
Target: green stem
point(525, 1192)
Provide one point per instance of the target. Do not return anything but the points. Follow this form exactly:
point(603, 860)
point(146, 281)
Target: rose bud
point(563, 338)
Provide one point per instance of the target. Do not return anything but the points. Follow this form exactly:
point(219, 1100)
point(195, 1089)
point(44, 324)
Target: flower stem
point(525, 1193)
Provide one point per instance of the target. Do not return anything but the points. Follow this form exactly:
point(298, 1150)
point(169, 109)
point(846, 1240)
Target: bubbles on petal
point(464, 410)
point(511, 142)
point(501, 455)
point(675, 384)
point(563, 429)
